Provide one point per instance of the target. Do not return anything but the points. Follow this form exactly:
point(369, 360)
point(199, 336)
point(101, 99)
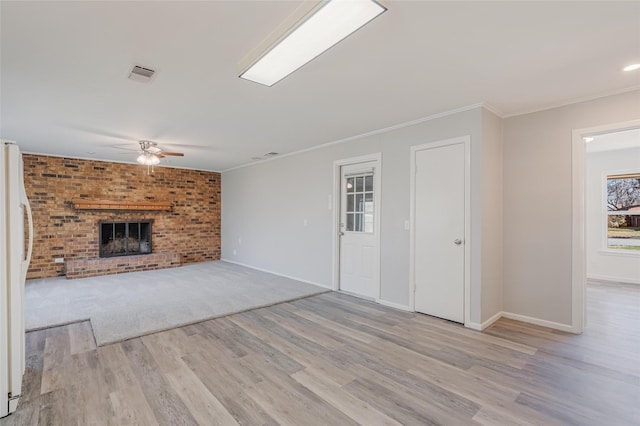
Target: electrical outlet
point(59, 260)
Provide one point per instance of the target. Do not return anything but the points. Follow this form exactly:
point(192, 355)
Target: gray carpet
point(129, 305)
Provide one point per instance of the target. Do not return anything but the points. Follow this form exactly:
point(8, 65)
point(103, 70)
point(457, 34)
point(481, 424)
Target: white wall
point(521, 253)
point(602, 263)
point(491, 252)
point(537, 203)
point(264, 206)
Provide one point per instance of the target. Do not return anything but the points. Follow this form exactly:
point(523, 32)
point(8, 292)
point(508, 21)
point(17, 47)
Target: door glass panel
point(350, 222)
point(350, 202)
point(368, 202)
point(359, 204)
point(359, 208)
point(368, 183)
point(358, 220)
point(351, 185)
point(368, 222)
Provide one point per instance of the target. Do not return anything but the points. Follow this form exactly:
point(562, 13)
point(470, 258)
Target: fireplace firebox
point(124, 238)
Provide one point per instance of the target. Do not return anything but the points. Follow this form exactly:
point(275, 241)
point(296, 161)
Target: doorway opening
point(606, 200)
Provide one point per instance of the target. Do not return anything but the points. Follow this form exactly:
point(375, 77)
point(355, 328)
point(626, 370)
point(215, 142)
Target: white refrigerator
point(15, 254)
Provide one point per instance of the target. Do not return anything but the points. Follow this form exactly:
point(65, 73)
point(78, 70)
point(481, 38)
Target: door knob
point(340, 233)
point(457, 241)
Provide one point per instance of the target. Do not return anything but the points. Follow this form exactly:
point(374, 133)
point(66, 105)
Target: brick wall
point(191, 229)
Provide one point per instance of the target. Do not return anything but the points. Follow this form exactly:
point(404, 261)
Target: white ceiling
point(64, 67)
point(626, 139)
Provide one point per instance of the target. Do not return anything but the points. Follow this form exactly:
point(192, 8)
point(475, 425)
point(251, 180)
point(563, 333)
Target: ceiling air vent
point(265, 156)
point(142, 74)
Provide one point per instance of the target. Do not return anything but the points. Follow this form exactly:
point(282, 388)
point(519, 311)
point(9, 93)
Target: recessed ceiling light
point(631, 67)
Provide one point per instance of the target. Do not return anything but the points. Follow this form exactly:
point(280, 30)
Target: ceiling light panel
point(318, 31)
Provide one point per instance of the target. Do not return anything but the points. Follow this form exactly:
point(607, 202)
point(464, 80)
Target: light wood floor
point(336, 360)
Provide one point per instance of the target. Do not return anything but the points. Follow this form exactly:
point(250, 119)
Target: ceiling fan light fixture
point(310, 31)
point(148, 159)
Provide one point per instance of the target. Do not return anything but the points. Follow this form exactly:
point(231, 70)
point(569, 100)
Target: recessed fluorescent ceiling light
point(315, 33)
point(632, 67)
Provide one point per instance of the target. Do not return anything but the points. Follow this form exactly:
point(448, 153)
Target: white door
point(4, 291)
point(439, 229)
point(359, 260)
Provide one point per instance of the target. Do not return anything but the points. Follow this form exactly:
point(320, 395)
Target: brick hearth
point(83, 268)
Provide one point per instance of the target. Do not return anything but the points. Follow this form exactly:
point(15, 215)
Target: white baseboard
point(276, 273)
point(473, 325)
point(491, 320)
point(394, 305)
point(611, 278)
point(13, 404)
point(544, 323)
point(523, 318)
point(487, 323)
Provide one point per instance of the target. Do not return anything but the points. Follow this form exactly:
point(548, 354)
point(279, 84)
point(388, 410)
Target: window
point(623, 211)
point(359, 210)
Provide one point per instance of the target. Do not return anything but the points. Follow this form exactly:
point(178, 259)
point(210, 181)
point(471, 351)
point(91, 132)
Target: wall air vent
point(141, 74)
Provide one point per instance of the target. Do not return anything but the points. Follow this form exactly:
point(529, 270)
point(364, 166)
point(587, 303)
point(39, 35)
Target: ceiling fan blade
point(172, 154)
point(95, 131)
point(126, 149)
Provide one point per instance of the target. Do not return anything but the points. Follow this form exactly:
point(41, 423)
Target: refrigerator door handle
point(27, 260)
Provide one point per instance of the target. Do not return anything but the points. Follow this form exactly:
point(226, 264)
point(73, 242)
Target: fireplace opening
point(125, 238)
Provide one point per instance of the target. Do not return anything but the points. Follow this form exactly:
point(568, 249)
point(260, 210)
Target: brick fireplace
point(183, 206)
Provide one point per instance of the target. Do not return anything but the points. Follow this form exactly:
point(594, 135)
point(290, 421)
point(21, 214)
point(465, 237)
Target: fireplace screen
point(124, 238)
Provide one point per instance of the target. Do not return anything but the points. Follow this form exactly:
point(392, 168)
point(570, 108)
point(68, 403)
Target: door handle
point(340, 234)
point(457, 241)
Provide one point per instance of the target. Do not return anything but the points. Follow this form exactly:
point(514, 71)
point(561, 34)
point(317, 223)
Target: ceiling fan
point(150, 154)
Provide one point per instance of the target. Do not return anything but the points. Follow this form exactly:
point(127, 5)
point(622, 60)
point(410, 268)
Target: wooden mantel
point(122, 205)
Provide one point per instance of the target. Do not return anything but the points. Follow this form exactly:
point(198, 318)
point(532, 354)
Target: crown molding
point(573, 101)
point(363, 135)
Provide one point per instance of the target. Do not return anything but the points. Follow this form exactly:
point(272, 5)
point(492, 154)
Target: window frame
point(606, 176)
